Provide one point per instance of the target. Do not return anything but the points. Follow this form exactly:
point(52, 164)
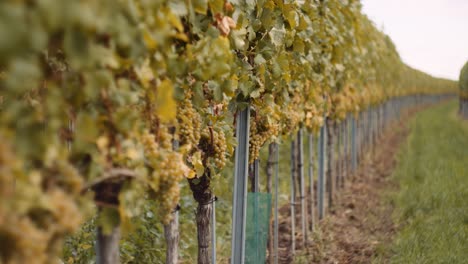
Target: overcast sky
point(430, 35)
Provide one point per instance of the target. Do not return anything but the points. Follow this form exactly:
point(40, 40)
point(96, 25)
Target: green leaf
point(200, 6)
point(259, 59)
point(216, 6)
point(178, 7)
point(198, 96)
point(216, 90)
point(77, 49)
point(85, 128)
point(291, 17)
point(277, 35)
point(108, 219)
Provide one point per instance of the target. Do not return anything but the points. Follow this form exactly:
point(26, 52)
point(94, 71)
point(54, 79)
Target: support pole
point(321, 178)
point(293, 199)
point(276, 202)
point(239, 208)
point(213, 233)
point(300, 168)
point(311, 181)
point(171, 230)
point(353, 144)
point(107, 246)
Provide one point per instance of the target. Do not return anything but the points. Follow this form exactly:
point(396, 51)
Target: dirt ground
point(359, 225)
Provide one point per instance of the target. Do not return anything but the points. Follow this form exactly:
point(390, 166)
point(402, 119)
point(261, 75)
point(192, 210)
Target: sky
point(430, 35)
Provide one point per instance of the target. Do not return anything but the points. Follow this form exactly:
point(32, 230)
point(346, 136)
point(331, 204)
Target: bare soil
point(359, 225)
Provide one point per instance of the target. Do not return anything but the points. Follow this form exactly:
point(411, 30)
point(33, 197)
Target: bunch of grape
point(213, 145)
point(168, 169)
point(310, 117)
point(164, 139)
point(22, 249)
point(338, 108)
point(189, 121)
point(255, 143)
point(35, 214)
point(220, 148)
point(9, 166)
point(291, 119)
point(260, 132)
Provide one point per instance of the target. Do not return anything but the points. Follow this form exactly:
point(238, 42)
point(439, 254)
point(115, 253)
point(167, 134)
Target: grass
point(432, 204)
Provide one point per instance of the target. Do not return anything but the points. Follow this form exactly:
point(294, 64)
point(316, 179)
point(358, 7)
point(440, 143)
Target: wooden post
point(330, 161)
point(171, 233)
point(300, 172)
point(202, 193)
point(293, 197)
point(321, 177)
point(171, 230)
point(270, 168)
point(311, 181)
point(107, 246)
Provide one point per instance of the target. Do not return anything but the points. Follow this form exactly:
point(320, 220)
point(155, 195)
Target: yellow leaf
point(185, 149)
point(175, 22)
point(35, 177)
point(191, 174)
point(112, 61)
point(166, 106)
point(102, 142)
point(144, 73)
point(181, 36)
point(197, 164)
point(291, 17)
point(149, 41)
point(85, 246)
point(132, 154)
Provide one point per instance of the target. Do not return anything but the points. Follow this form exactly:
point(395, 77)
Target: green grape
point(168, 169)
point(214, 147)
point(189, 121)
point(220, 149)
point(260, 132)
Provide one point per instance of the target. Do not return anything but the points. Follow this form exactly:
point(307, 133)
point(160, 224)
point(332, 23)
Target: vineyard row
point(105, 105)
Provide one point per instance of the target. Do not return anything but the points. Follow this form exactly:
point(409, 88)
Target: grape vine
point(95, 94)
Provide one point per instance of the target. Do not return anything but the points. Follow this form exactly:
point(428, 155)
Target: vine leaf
point(166, 105)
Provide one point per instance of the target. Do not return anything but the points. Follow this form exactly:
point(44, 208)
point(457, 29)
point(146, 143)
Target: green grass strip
point(432, 203)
